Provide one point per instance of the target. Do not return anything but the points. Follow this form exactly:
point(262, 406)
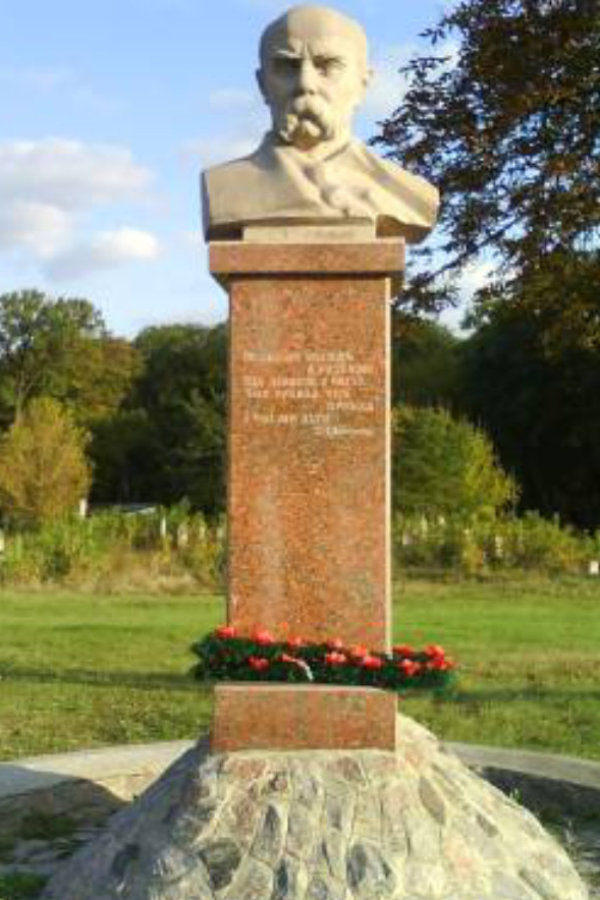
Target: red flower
point(404, 650)
point(409, 667)
point(294, 643)
point(334, 644)
point(226, 631)
point(440, 664)
point(335, 659)
point(258, 663)
point(263, 637)
point(358, 651)
point(371, 662)
point(435, 651)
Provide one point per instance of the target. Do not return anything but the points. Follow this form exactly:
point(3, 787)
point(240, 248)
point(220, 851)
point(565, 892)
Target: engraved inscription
point(333, 392)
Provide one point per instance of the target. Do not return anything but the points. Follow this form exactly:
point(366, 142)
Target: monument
point(307, 234)
point(306, 792)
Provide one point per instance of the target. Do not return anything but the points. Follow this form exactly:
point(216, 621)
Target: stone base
point(302, 717)
point(322, 825)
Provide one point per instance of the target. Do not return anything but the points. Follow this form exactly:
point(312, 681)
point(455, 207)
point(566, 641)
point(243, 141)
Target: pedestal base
point(302, 717)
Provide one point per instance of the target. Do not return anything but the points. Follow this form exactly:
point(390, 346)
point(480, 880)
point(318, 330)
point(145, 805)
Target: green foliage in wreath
point(226, 656)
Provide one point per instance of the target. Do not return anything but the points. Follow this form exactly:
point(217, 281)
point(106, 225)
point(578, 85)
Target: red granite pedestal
point(302, 717)
point(309, 457)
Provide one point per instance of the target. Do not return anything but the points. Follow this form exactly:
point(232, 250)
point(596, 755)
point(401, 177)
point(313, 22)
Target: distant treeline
point(154, 407)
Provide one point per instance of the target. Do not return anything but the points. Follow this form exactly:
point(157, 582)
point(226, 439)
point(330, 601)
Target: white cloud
point(106, 250)
point(68, 174)
point(38, 228)
point(48, 186)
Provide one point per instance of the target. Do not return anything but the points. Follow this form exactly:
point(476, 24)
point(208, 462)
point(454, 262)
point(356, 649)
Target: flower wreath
point(226, 656)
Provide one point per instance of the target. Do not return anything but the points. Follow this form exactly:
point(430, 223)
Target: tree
point(125, 450)
point(60, 348)
point(536, 390)
point(443, 465)
point(95, 377)
point(563, 298)
point(426, 363)
point(510, 133)
point(43, 469)
point(168, 441)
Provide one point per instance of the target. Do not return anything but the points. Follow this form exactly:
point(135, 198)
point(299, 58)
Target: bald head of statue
point(309, 169)
point(313, 74)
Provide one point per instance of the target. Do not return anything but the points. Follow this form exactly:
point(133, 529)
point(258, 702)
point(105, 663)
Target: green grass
point(85, 671)
point(529, 654)
point(20, 886)
point(82, 671)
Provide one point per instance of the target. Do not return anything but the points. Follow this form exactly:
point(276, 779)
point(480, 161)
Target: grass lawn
point(85, 671)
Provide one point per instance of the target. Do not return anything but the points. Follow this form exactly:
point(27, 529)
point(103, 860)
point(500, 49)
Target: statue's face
point(313, 76)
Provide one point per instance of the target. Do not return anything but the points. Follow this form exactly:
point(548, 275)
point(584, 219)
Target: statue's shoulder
point(224, 173)
point(403, 202)
point(237, 191)
point(237, 169)
point(393, 170)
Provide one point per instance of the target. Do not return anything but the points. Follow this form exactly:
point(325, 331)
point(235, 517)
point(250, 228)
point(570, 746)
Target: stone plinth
point(342, 825)
point(309, 454)
point(302, 717)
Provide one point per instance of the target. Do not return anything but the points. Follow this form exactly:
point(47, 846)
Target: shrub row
point(175, 549)
point(159, 549)
point(527, 543)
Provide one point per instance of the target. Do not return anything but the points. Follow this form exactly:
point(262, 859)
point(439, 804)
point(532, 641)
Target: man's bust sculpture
point(309, 170)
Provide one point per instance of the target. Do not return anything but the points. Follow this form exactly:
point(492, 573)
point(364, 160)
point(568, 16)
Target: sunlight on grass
point(86, 671)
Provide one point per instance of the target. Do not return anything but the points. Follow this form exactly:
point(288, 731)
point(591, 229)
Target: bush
point(43, 470)
point(446, 466)
point(112, 549)
point(529, 543)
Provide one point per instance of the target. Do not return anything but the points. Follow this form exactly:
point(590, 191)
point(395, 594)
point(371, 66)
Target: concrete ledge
point(547, 784)
point(582, 772)
point(36, 773)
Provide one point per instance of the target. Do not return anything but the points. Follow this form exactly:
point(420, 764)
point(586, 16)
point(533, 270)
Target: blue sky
point(108, 111)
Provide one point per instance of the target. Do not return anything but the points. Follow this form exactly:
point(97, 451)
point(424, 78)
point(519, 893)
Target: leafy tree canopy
point(60, 348)
point(426, 363)
point(561, 299)
point(537, 392)
point(43, 469)
point(168, 442)
point(509, 132)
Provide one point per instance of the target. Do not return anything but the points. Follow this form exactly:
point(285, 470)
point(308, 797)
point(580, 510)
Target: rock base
point(322, 825)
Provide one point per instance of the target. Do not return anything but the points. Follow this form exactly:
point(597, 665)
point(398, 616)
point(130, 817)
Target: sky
point(109, 109)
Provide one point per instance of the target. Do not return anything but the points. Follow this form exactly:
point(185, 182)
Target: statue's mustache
point(309, 106)
point(305, 115)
